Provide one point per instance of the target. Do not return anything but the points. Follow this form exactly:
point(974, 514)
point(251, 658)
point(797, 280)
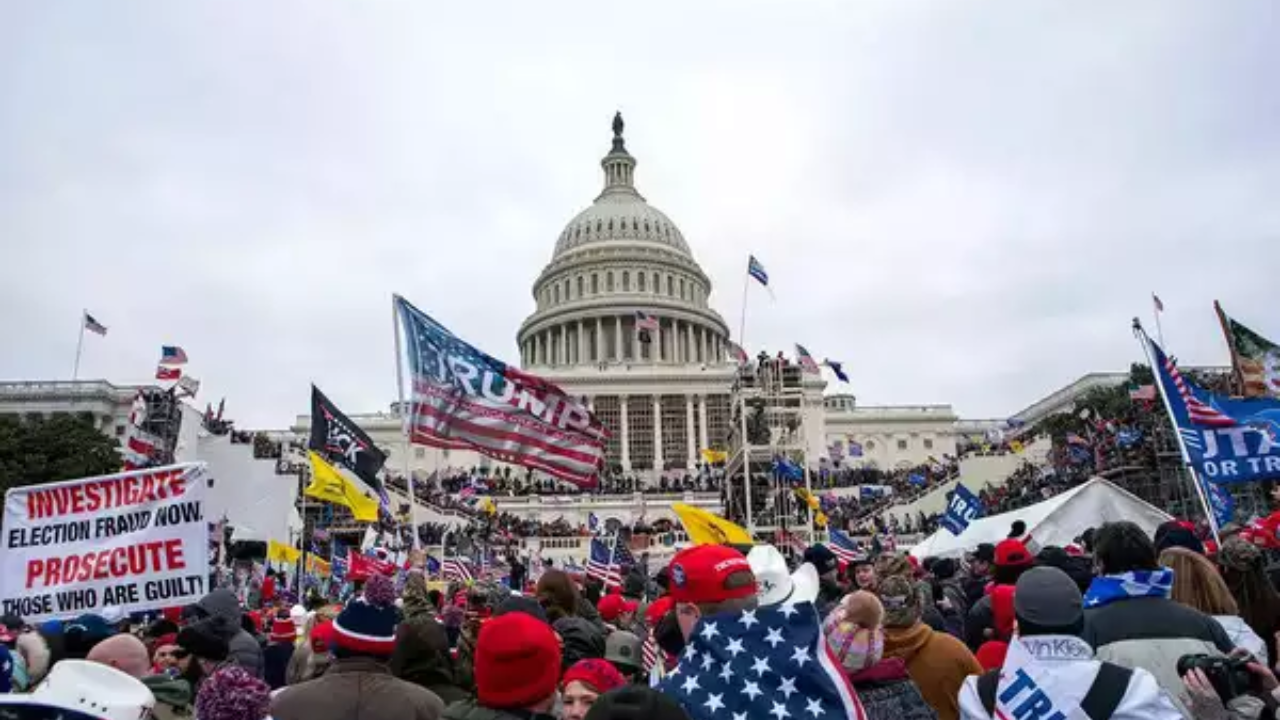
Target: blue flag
point(771, 662)
point(1226, 440)
point(433, 568)
point(917, 479)
point(788, 470)
point(1128, 437)
point(838, 369)
point(963, 508)
point(1221, 502)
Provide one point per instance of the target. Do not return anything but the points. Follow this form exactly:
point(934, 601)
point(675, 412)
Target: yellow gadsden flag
point(707, 528)
point(328, 485)
point(279, 552)
point(319, 567)
point(714, 456)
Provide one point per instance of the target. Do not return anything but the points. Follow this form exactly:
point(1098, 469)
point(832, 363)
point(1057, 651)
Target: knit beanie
point(1239, 555)
point(517, 662)
point(523, 604)
point(197, 640)
point(597, 674)
point(1002, 611)
point(856, 648)
point(636, 702)
point(1173, 533)
point(231, 693)
point(367, 626)
point(854, 633)
point(992, 654)
point(901, 602)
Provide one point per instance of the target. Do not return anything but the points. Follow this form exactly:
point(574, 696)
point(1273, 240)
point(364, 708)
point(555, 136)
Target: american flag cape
point(465, 399)
point(603, 564)
point(770, 662)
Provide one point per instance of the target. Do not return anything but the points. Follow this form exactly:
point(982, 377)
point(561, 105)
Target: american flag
point(842, 545)
point(650, 651)
point(768, 662)
point(806, 360)
point(457, 569)
point(94, 326)
point(603, 564)
point(1198, 411)
point(756, 270)
point(465, 399)
point(645, 321)
point(739, 355)
point(172, 355)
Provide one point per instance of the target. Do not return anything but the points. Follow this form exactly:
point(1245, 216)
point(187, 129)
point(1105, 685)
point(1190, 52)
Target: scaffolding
point(767, 404)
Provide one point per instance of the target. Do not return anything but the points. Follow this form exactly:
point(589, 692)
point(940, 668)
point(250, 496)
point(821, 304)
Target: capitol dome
point(623, 320)
point(619, 262)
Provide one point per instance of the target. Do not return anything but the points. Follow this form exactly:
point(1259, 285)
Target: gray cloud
point(966, 203)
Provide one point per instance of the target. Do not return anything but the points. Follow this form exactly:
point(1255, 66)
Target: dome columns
point(592, 340)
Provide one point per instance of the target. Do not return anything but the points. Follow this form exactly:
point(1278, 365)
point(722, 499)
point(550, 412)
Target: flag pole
point(1145, 342)
point(1156, 305)
point(406, 418)
point(75, 369)
point(742, 323)
point(1236, 375)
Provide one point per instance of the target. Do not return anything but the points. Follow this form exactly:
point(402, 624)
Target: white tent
point(247, 492)
point(1056, 521)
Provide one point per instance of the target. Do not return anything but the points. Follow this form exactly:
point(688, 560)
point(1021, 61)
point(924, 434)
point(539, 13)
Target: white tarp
point(247, 492)
point(1056, 521)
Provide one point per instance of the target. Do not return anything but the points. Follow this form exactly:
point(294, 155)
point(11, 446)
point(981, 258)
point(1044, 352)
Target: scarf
point(1107, 589)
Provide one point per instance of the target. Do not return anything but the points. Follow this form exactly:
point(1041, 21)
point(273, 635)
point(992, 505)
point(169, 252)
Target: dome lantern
point(619, 166)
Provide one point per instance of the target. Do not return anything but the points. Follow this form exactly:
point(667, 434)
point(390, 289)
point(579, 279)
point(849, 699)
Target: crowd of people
point(1118, 624)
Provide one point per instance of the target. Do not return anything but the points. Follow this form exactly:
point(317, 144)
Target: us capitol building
point(618, 261)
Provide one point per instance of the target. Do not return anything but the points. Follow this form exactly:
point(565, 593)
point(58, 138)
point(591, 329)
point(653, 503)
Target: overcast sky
point(966, 202)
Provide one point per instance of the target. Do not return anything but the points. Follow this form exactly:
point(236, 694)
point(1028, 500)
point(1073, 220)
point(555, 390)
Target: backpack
point(1099, 703)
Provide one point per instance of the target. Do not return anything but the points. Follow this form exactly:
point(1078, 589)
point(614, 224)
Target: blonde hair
point(1197, 583)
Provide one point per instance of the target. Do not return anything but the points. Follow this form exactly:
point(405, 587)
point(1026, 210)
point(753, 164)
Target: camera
point(1229, 676)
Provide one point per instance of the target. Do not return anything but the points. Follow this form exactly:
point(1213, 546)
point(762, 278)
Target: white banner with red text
point(132, 541)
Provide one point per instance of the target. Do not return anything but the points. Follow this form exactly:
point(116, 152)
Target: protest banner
point(135, 541)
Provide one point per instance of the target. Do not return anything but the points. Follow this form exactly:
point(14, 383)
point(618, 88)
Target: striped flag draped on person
point(465, 399)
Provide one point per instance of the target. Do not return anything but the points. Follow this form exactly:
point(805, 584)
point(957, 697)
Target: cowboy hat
point(776, 584)
point(88, 689)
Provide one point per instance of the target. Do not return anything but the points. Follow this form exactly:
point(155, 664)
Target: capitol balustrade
point(625, 508)
point(658, 546)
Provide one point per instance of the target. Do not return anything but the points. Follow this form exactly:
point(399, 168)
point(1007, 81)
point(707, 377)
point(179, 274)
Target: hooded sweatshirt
point(221, 617)
point(937, 663)
point(582, 639)
point(422, 658)
point(174, 699)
